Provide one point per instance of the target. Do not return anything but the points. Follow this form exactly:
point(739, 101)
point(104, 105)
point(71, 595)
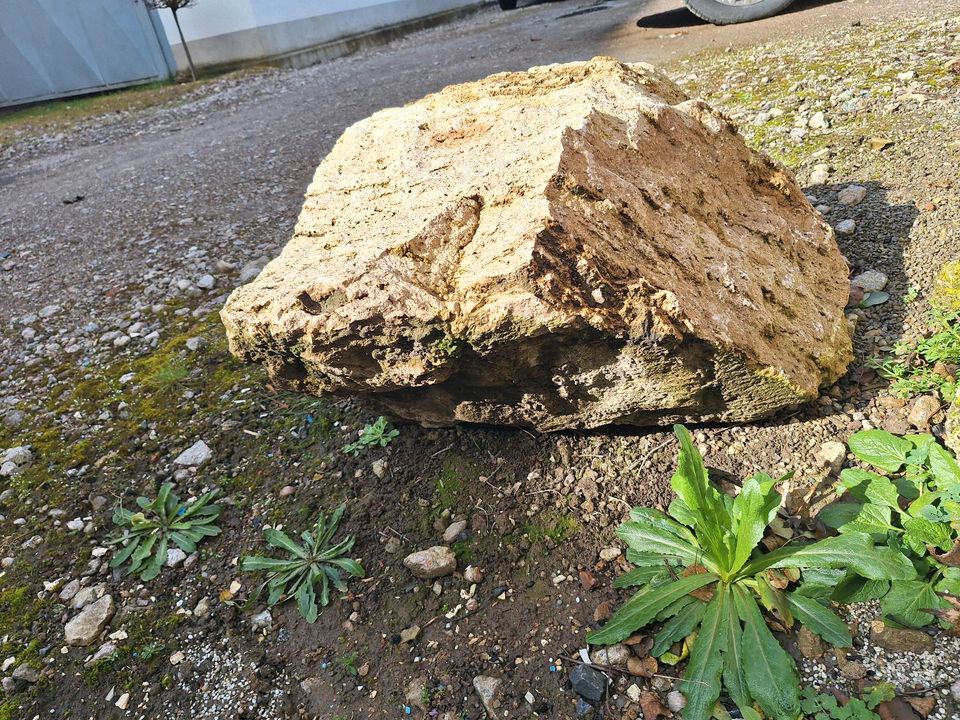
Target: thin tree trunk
point(186, 49)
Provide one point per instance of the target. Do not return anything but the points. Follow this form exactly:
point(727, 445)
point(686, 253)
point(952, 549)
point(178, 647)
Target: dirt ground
point(112, 361)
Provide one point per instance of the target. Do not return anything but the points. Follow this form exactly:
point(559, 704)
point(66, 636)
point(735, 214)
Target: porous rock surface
point(567, 247)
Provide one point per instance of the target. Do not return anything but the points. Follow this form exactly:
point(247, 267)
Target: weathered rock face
point(567, 247)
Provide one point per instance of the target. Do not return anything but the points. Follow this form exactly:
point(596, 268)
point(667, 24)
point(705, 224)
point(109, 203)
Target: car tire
point(508, 4)
point(723, 13)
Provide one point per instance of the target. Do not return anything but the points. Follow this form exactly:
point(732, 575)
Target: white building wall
point(226, 31)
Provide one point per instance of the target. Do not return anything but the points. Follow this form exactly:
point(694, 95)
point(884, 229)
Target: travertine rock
point(571, 246)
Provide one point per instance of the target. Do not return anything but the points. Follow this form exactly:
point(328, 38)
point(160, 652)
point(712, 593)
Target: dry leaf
point(651, 706)
point(951, 558)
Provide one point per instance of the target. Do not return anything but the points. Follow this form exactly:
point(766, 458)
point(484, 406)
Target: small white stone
point(846, 227)
point(676, 701)
point(175, 556)
point(262, 620)
point(123, 701)
point(870, 280)
point(195, 455)
point(832, 454)
point(454, 530)
point(609, 554)
point(852, 195)
point(818, 121)
point(203, 608)
point(206, 282)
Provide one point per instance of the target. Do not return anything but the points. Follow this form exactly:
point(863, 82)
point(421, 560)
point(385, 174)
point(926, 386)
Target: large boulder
point(567, 247)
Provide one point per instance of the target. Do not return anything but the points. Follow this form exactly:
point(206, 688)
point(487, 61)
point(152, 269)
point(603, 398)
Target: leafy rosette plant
point(161, 523)
point(381, 433)
point(913, 508)
point(316, 563)
point(704, 575)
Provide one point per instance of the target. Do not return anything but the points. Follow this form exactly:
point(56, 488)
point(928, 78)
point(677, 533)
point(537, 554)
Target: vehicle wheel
point(726, 12)
point(508, 4)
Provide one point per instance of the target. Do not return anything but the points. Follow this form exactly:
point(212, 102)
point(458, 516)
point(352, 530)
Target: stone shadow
point(878, 242)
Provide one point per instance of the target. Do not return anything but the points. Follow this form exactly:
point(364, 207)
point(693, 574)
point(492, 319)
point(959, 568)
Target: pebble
point(900, 639)
point(433, 562)
point(832, 455)
point(809, 644)
point(454, 531)
point(473, 574)
point(86, 627)
point(870, 280)
point(379, 467)
point(262, 620)
point(123, 701)
point(69, 590)
point(588, 683)
point(410, 634)
point(609, 554)
point(175, 556)
point(676, 701)
point(195, 455)
point(820, 174)
point(253, 268)
point(923, 409)
point(25, 673)
point(852, 195)
point(15, 460)
point(846, 227)
point(818, 121)
point(14, 419)
point(202, 608)
point(612, 656)
point(206, 282)
point(87, 595)
point(488, 689)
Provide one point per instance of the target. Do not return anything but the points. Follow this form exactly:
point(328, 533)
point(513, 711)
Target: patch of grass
point(553, 527)
point(348, 663)
point(463, 551)
point(448, 485)
point(168, 375)
point(140, 651)
point(19, 609)
point(10, 709)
